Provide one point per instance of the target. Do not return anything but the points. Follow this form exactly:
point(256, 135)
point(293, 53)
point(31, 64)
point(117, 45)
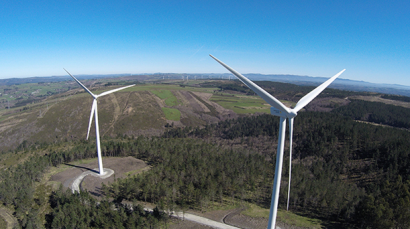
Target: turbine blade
point(311, 95)
point(262, 93)
point(91, 117)
point(290, 157)
point(86, 89)
point(114, 90)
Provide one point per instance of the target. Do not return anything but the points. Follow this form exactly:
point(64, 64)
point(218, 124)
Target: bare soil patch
point(237, 219)
point(217, 215)
point(197, 110)
point(326, 104)
point(8, 217)
point(234, 217)
point(9, 123)
point(203, 95)
point(386, 101)
point(177, 224)
point(243, 221)
point(121, 166)
point(194, 103)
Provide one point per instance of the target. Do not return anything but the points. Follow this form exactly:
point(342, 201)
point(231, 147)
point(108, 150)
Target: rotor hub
point(292, 114)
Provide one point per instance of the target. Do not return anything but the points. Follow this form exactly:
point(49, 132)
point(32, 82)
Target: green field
point(287, 217)
point(244, 104)
point(241, 104)
point(39, 89)
point(170, 99)
point(172, 114)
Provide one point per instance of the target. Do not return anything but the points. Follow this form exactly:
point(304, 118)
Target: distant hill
point(342, 84)
point(50, 79)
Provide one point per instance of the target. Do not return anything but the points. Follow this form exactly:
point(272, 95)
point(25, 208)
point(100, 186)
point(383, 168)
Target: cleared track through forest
point(185, 216)
point(11, 221)
point(198, 219)
point(180, 215)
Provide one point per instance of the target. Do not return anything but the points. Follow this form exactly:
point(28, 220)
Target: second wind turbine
point(279, 109)
point(94, 111)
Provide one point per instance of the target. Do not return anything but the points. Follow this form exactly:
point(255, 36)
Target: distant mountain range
point(49, 79)
point(342, 84)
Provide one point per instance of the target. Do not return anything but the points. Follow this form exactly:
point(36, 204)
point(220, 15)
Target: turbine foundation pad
point(107, 173)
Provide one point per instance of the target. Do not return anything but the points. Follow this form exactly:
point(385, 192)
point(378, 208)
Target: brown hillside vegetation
point(138, 110)
point(378, 98)
point(131, 113)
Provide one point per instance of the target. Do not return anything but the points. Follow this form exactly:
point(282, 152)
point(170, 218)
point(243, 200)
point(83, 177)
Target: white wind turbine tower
point(94, 111)
point(279, 109)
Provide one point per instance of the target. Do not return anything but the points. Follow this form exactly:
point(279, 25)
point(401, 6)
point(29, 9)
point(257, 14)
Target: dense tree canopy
point(338, 162)
point(80, 210)
point(376, 112)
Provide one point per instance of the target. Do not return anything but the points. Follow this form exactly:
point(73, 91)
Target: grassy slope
point(170, 99)
point(241, 104)
point(172, 114)
point(286, 217)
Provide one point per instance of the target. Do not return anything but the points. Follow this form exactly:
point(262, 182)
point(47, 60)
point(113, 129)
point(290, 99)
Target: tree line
point(376, 112)
point(81, 210)
point(396, 97)
point(188, 173)
point(338, 163)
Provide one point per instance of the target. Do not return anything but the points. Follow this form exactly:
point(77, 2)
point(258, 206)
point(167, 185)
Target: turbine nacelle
point(279, 113)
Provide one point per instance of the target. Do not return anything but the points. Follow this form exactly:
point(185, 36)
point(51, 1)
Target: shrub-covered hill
point(149, 109)
point(134, 111)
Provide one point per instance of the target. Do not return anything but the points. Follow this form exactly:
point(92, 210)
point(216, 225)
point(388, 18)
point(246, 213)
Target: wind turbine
point(279, 109)
point(94, 111)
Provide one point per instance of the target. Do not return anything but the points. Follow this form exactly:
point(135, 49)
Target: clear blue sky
point(371, 39)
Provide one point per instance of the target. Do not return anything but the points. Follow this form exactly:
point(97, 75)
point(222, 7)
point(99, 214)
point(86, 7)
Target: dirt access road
point(80, 174)
point(129, 165)
point(11, 221)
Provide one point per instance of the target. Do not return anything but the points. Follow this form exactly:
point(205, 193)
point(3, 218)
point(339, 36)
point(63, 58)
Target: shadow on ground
point(82, 167)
